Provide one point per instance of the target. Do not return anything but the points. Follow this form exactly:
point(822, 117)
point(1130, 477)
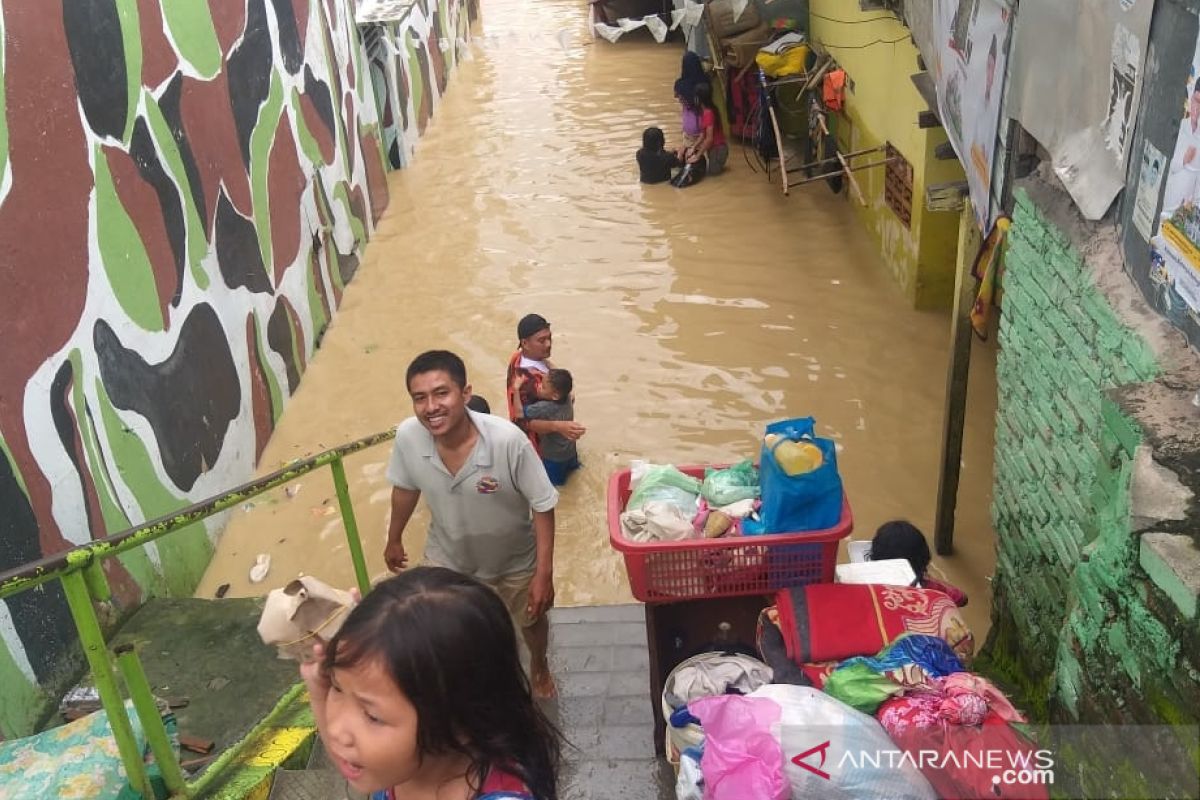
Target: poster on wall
point(970, 44)
point(1150, 176)
point(1175, 247)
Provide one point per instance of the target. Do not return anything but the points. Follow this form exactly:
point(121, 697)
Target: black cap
point(531, 324)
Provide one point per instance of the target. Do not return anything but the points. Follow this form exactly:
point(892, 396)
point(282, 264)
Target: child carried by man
point(559, 454)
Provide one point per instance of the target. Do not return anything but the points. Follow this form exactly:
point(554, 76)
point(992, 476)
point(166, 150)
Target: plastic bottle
point(794, 458)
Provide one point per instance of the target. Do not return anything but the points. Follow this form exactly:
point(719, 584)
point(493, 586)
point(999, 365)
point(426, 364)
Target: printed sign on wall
point(1175, 248)
point(1150, 175)
point(971, 41)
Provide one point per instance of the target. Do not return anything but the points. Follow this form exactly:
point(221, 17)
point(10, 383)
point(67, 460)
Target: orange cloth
point(833, 91)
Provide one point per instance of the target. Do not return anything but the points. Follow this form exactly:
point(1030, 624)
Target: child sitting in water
point(655, 162)
point(559, 453)
point(421, 693)
point(900, 539)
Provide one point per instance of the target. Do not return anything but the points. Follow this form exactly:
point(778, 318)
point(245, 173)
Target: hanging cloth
point(833, 91)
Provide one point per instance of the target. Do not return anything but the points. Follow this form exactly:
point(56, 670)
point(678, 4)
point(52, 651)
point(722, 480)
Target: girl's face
point(372, 735)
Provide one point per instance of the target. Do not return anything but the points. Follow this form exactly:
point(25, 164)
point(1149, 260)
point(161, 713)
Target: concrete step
point(311, 784)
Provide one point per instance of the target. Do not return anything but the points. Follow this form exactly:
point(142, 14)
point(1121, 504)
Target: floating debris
point(262, 565)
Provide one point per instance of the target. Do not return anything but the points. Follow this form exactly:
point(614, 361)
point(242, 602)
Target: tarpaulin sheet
point(1081, 108)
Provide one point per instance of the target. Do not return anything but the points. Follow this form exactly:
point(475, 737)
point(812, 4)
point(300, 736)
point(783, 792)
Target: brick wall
point(1075, 612)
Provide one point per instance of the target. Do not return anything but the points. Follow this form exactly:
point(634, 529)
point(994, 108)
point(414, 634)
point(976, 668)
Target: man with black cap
point(526, 369)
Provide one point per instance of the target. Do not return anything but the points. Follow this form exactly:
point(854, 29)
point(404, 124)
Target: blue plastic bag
point(808, 502)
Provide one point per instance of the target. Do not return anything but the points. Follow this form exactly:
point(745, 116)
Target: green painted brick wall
point(1068, 580)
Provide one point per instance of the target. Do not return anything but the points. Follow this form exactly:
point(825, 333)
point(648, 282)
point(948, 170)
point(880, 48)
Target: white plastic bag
point(840, 747)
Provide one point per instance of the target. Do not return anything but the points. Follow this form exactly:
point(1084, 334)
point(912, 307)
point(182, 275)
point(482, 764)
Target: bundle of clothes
point(867, 692)
point(668, 505)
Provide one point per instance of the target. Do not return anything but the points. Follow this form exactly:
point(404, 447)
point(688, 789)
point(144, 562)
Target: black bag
point(689, 174)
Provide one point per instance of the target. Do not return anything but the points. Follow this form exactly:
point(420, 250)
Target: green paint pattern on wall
point(338, 122)
point(319, 320)
point(123, 254)
point(184, 554)
point(260, 156)
point(197, 247)
point(308, 143)
point(115, 520)
point(131, 37)
point(416, 85)
point(16, 472)
point(23, 700)
point(342, 195)
point(191, 27)
point(272, 380)
point(325, 211)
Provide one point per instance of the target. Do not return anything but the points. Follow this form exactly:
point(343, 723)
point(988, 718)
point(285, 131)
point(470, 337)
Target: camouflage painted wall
point(186, 186)
point(410, 61)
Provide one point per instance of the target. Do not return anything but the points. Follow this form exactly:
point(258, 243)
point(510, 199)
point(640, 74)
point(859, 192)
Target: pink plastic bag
point(742, 757)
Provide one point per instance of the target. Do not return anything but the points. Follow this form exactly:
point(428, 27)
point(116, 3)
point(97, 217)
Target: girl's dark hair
point(449, 644)
point(653, 139)
point(686, 92)
point(704, 96)
point(901, 539)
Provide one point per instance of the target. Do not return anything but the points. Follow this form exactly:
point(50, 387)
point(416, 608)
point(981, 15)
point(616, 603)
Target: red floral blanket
point(834, 621)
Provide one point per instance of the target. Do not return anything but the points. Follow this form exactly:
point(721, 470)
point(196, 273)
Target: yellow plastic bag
point(788, 62)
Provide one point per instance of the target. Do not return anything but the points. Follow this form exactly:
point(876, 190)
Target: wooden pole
point(783, 173)
point(955, 414)
point(853, 183)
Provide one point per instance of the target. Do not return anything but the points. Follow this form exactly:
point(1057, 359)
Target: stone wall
point(1097, 576)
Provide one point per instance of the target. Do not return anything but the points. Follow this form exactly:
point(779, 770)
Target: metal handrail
point(27, 576)
point(84, 583)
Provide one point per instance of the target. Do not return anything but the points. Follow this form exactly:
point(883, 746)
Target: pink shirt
point(708, 119)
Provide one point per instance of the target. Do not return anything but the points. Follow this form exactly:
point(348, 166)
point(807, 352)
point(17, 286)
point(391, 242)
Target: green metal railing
point(84, 585)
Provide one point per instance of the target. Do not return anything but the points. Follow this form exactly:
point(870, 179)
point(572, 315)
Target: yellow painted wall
point(882, 106)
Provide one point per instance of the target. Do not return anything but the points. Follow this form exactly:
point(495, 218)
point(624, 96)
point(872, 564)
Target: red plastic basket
point(664, 572)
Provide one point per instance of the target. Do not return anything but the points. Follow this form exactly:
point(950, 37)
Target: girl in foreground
point(421, 696)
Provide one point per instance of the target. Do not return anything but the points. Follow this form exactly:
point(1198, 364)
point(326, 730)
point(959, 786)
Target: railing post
point(97, 583)
point(147, 710)
point(350, 525)
point(92, 640)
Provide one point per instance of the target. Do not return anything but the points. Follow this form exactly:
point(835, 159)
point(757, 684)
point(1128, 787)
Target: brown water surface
point(689, 318)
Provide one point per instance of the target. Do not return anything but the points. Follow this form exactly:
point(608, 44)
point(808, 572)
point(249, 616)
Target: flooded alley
point(690, 318)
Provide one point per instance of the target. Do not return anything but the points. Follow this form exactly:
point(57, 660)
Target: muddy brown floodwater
point(689, 318)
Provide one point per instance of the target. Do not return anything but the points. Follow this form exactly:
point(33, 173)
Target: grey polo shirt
point(480, 519)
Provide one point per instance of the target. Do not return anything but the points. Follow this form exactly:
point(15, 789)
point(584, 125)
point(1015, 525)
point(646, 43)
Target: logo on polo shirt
point(487, 485)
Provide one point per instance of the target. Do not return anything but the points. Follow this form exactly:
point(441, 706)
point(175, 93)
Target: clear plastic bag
point(667, 485)
point(724, 486)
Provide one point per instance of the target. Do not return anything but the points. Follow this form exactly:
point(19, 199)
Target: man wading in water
point(527, 368)
point(491, 505)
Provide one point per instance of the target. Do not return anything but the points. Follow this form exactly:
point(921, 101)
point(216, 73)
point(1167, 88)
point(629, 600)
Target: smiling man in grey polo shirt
point(490, 502)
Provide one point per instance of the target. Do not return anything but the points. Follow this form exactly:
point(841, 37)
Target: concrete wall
point(185, 190)
point(882, 106)
point(1095, 607)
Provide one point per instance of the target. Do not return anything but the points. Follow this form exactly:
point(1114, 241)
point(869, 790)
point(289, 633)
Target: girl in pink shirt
point(712, 144)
